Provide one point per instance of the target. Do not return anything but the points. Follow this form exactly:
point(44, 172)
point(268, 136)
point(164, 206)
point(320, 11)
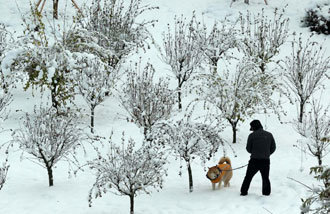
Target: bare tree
point(316, 128)
point(49, 138)
point(304, 70)
point(95, 81)
point(182, 50)
point(187, 140)
point(127, 170)
point(145, 100)
point(235, 96)
point(262, 37)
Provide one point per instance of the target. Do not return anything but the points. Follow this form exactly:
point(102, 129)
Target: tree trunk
point(92, 118)
point(179, 98)
point(233, 126)
point(319, 157)
point(55, 9)
point(131, 197)
point(191, 187)
point(263, 67)
point(246, 1)
point(301, 111)
point(50, 176)
point(319, 160)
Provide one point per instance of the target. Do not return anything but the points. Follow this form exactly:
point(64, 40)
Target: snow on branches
point(145, 101)
point(187, 140)
point(234, 96)
point(3, 173)
point(49, 138)
point(5, 98)
point(182, 50)
point(215, 44)
point(95, 81)
point(5, 40)
point(303, 71)
point(262, 37)
point(116, 28)
point(318, 202)
point(42, 59)
point(127, 170)
point(5, 166)
point(315, 127)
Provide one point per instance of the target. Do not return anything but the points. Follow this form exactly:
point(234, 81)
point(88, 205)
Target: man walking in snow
point(260, 145)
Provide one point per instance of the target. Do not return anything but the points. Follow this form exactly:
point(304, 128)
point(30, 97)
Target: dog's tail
point(225, 159)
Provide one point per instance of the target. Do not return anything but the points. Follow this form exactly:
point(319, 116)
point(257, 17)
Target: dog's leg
point(213, 186)
point(219, 186)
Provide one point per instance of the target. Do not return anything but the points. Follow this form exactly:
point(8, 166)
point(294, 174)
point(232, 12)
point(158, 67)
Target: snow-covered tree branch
point(262, 37)
point(187, 140)
point(48, 138)
point(42, 59)
point(127, 170)
point(318, 202)
point(182, 50)
point(145, 100)
point(315, 127)
point(216, 43)
point(303, 71)
point(115, 27)
point(3, 173)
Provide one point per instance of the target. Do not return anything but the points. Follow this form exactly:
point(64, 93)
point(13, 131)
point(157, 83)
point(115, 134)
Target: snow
point(26, 190)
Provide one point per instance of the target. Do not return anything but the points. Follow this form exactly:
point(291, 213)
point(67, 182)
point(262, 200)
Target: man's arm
point(249, 144)
point(272, 145)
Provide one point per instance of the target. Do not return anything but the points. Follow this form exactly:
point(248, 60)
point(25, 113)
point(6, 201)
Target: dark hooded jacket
point(260, 144)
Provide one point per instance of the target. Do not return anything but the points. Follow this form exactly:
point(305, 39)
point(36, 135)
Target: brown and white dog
point(221, 172)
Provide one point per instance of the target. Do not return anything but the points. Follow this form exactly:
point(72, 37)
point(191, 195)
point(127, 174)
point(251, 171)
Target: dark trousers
point(254, 166)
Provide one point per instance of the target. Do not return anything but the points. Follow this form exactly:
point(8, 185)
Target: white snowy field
point(26, 190)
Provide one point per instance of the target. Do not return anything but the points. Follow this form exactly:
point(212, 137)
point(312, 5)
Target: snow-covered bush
point(303, 72)
point(261, 37)
point(127, 170)
point(187, 140)
point(317, 18)
point(145, 100)
point(95, 81)
point(236, 95)
point(48, 138)
point(115, 27)
point(182, 50)
point(319, 201)
point(315, 126)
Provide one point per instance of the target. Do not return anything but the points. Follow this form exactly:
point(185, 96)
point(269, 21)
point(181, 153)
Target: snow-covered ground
point(26, 190)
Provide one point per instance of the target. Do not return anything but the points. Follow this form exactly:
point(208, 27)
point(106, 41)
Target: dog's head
point(213, 173)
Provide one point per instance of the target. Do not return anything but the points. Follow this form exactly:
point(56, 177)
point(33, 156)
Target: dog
point(221, 172)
